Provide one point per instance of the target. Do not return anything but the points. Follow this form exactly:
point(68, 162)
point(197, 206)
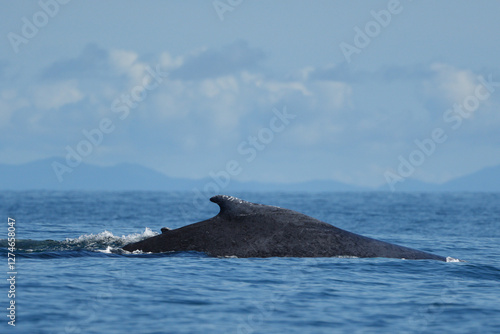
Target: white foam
point(451, 259)
point(138, 251)
point(107, 242)
point(108, 250)
point(107, 236)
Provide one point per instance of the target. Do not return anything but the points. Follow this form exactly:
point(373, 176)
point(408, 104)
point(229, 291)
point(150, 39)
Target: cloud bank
point(350, 125)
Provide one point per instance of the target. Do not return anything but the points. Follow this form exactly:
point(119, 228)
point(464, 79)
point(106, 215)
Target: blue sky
point(355, 117)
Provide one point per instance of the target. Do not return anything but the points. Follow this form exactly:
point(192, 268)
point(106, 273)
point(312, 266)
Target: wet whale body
point(245, 229)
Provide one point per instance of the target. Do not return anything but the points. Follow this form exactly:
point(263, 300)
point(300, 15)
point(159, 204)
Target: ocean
point(68, 274)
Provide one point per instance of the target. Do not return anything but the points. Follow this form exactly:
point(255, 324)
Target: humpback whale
point(245, 229)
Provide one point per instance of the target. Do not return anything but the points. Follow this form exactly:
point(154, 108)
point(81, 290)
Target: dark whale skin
point(245, 229)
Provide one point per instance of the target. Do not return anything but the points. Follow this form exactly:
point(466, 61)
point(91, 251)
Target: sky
point(361, 92)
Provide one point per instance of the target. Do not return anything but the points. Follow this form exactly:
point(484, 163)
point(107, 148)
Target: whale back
point(246, 229)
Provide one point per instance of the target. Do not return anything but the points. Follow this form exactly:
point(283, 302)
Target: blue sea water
point(73, 278)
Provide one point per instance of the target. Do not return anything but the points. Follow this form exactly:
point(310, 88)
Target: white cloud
point(347, 126)
point(451, 83)
point(210, 63)
point(213, 87)
point(168, 62)
point(332, 94)
point(123, 59)
point(54, 96)
point(10, 101)
point(126, 62)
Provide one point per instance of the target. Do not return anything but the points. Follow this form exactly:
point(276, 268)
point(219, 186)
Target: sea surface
point(72, 277)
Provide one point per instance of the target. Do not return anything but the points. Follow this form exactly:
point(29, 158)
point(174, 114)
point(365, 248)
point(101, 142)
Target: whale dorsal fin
point(232, 206)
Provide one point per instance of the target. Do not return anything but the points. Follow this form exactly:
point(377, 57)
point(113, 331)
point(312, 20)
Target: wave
point(104, 242)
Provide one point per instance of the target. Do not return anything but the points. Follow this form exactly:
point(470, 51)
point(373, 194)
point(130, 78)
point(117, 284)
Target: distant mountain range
point(484, 180)
point(40, 175)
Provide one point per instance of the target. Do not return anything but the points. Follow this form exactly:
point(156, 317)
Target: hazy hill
point(487, 179)
point(40, 175)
